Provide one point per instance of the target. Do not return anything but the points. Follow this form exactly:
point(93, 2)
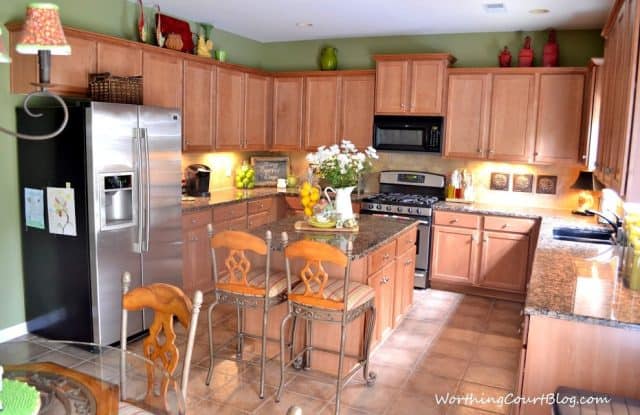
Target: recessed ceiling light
point(539, 11)
point(494, 8)
point(304, 24)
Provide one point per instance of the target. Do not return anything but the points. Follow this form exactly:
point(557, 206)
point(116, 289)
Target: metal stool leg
point(240, 331)
point(294, 325)
point(343, 333)
point(211, 356)
point(263, 349)
point(282, 354)
point(307, 344)
point(370, 321)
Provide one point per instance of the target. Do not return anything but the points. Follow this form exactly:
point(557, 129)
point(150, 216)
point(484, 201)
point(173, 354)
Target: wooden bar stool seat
point(319, 297)
point(256, 280)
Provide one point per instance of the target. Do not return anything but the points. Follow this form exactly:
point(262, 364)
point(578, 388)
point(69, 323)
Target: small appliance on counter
point(197, 180)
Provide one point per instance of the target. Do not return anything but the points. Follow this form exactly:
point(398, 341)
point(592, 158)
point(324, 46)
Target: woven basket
point(122, 90)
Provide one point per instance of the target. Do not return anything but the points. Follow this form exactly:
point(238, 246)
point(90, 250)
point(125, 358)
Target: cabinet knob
point(474, 238)
point(584, 157)
point(194, 239)
point(384, 280)
point(485, 239)
point(408, 262)
point(491, 151)
point(453, 221)
point(505, 225)
point(536, 154)
point(479, 150)
point(193, 221)
point(385, 257)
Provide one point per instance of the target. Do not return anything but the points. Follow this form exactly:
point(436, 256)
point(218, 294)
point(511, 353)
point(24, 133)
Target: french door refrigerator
point(123, 163)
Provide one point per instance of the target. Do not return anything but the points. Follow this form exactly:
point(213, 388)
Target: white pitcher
point(342, 203)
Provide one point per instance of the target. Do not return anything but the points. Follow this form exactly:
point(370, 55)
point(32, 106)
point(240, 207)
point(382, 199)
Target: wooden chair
point(244, 287)
point(322, 298)
point(167, 302)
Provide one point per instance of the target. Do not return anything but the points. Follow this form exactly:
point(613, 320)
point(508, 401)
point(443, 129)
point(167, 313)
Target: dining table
point(77, 378)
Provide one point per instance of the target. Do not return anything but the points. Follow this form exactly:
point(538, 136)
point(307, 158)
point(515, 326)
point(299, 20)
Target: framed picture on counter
point(523, 183)
point(269, 169)
point(546, 185)
point(500, 181)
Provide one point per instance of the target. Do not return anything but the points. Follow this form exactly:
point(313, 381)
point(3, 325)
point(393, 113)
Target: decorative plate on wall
point(523, 183)
point(500, 181)
point(547, 185)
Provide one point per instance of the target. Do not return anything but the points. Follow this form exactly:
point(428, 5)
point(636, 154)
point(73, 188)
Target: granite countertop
point(221, 197)
point(374, 232)
point(570, 280)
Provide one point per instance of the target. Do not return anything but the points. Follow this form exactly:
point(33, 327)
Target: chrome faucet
point(618, 231)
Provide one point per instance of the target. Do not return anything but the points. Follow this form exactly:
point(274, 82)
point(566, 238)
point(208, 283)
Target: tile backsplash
point(225, 163)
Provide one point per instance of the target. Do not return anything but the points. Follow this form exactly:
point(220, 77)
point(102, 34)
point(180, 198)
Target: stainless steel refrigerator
point(124, 165)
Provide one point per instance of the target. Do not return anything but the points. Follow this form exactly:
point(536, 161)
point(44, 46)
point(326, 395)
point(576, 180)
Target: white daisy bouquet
point(341, 165)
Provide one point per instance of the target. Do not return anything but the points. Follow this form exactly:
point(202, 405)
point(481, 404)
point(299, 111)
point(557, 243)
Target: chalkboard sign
point(269, 169)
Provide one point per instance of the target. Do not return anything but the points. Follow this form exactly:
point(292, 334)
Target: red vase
point(551, 50)
point(525, 58)
point(504, 58)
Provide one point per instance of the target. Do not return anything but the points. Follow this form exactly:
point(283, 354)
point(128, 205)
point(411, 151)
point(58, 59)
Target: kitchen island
point(383, 257)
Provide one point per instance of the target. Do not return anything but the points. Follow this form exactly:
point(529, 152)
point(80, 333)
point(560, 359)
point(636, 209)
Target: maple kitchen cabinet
point(529, 115)
point(411, 84)
point(322, 111)
point(197, 272)
point(162, 74)
point(288, 103)
point(357, 103)
point(118, 59)
point(230, 87)
point(257, 111)
point(489, 255)
point(198, 108)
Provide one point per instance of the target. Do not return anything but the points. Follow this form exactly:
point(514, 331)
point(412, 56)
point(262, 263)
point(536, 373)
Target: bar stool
point(245, 288)
point(321, 298)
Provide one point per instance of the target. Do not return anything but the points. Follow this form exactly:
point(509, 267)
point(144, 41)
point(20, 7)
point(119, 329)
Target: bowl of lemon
point(309, 196)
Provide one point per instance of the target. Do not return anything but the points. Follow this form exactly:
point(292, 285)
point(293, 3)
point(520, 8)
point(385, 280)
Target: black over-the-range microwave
point(408, 133)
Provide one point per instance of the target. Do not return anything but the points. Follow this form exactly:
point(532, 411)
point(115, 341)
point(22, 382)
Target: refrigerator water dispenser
point(117, 210)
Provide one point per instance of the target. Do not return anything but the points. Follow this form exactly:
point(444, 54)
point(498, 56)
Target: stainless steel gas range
point(409, 195)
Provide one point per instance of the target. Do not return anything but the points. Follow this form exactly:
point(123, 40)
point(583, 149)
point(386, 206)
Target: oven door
point(421, 279)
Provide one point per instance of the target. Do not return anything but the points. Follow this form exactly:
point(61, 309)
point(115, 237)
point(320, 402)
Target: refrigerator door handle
point(147, 188)
point(141, 210)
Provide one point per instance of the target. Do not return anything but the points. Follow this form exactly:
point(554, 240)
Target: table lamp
point(42, 36)
point(587, 183)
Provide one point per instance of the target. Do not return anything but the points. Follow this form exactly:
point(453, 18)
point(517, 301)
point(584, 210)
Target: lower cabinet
point(492, 253)
point(383, 283)
point(197, 273)
point(405, 274)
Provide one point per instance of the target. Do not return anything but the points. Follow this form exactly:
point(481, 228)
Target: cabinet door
point(559, 118)
point(321, 111)
point(454, 255)
point(119, 60)
point(257, 112)
point(383, 283)
point(358, 98)
point(405, 273)
point(229, 109)
point(467, 116)
point(427, 85)
point(512, 117)
point(197, 260)
point(197, 131)
point(287, 113)
point(162, 80)
point(504, 261)
point(392, 87)
point(71, 73)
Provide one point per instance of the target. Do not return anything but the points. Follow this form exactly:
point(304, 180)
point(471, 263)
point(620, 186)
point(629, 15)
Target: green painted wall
point(118, 18)
point(471, 49)
point(113, 17)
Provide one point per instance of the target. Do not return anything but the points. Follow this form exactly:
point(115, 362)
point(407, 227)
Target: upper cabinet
point(618, 158)
point(322, 100)
point(230, 87)
point(257, 111)
point(287, 112)
point(357, 104)
point(119, 60)
point(198, 114)
point(411, 84)
point(162, 74)
point(527, 115)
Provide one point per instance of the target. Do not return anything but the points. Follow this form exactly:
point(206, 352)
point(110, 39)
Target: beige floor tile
point(409, 341)
point(446, 366)
point(428, 312)
point(505, 314)
point(468, 323)
point(491, 376)
point(507, 305)
point(452, 348)
point(424, 328)
point(462, 335)
point(480, 311)
point(373, 399)
point(428, 384)
point(387, 355)
point(412, 404)
point(272, 374)
point(511, 329)
point(197, 387)
point(240, 394)
point(508, 359)
point(322, 389)
point(60, 358)
point(476, 300)
point(386, 375)
point(484, 392)
point(204, 406)
point(308, 404)
point(465, 410)
point(346, 410)
point(499, 341)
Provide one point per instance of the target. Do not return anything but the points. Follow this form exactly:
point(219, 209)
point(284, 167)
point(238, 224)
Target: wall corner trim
point(13, 332)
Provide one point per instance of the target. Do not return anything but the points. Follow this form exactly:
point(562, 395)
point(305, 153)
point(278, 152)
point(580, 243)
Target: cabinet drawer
point(239, 224)
point(505, 224)
point(406, 241)
point(229, 211)
point(196, 219)
point(260, 205)
point(258, 219)
point(462, 220)
point(381, 257)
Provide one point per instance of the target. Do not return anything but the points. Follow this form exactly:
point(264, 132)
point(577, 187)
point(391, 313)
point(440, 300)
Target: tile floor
point(449, 343)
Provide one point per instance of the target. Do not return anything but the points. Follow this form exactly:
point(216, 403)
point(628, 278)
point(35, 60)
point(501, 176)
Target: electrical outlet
point(228, 172)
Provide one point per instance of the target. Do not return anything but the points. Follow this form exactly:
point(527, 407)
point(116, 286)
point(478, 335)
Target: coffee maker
point(197, 180)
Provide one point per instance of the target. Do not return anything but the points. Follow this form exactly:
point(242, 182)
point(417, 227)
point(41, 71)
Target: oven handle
point(421, 221)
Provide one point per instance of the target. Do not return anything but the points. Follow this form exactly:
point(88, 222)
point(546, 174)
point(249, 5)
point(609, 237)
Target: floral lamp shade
point(43, 31)
point(4, 58)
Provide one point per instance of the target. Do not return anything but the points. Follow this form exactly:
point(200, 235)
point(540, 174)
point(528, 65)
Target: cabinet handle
point(474, 238)
point(408, 262)
point(584, 157)
point(384, 280)
point(485, 238)
point(505, 226)
point(479, 151)
point(491, 151)
point(410, 242)
point(453, 221)
point(536, 154)
point(193, 220)
point(194, 239)
point(385, 256)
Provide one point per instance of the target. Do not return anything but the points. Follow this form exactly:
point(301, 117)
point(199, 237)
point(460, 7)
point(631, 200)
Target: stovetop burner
point(403, 199)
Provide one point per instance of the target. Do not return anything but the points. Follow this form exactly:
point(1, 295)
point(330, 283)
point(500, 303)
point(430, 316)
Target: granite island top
point(374, 232)
point(221, 197)
point(570, 280)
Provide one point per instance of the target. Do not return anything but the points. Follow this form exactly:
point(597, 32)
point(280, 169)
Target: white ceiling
point(275, 20)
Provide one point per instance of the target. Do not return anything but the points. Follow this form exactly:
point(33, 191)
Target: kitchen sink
point(587, 235)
